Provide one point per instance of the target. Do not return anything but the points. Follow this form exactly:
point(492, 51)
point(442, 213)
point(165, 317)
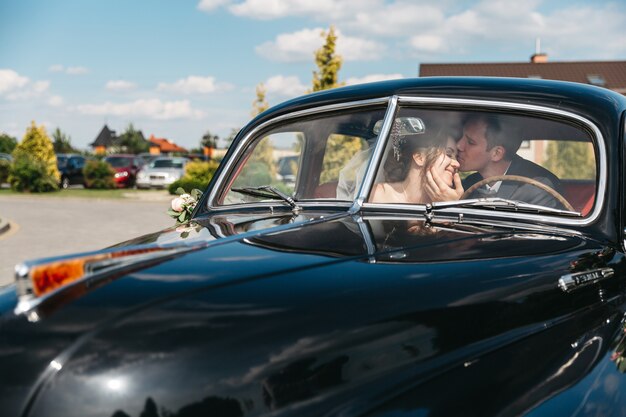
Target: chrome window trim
point(379, 149)
point(245, 141)
point(598, 141)
point(393, 102)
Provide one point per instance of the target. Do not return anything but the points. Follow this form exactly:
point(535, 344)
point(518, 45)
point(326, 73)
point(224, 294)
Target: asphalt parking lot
point(47, 226)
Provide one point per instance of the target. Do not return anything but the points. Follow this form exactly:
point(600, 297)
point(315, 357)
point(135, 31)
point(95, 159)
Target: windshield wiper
point(269, 192)
point(500, 203)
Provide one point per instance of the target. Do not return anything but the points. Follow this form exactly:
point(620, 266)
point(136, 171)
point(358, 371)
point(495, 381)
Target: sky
point(179, 68)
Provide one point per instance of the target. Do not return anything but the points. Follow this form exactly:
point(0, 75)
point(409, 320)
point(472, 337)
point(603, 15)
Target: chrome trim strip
point(473, 221)
point(379, 149)
point(599, 142)
point(245, 141)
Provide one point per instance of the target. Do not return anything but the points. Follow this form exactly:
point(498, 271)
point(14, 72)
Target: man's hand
point(438, 190)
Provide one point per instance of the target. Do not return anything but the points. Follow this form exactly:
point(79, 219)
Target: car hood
point(270, 314)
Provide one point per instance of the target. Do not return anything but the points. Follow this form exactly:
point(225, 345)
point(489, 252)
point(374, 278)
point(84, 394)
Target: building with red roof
point(162, 146)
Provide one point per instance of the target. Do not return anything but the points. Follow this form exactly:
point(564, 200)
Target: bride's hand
point(438, 190)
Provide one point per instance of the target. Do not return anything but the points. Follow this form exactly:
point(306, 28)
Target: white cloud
point(77, 70)
point(56, 68)
point(443, 28)
point(372, 78)
point(400, 19)
point(120, 85)
point(210, 5)
point(428, 43)
point(11, 80)
point(319, 9)
point(280, 85)
point(193, 85)
point(301, 45)
point(149, 108)
point(55, 101)
point(502, 23)
point(14, 86)
point(68, 70)
point(357, 49)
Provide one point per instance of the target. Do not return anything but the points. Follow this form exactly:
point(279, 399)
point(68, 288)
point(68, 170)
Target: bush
point(198, 174)
point(34, 159)
point(30, 174)
point(187, 184)
point(5, 166)
point(98, 175)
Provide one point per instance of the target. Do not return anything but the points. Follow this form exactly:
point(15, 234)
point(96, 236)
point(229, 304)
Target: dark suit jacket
point(522, 191)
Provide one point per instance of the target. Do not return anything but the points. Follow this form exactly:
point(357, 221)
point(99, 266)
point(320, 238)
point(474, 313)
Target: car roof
point(593, 102)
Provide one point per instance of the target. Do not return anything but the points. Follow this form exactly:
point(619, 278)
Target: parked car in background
point(6, 156)
point(313, 298)
point(126, 167)
point(70, 167)
point(161, 172)
point(145, 158)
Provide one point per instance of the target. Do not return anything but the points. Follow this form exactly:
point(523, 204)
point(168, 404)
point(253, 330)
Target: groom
point(487, 148)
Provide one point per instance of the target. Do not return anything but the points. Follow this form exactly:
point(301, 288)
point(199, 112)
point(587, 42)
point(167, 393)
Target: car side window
point(444, 155)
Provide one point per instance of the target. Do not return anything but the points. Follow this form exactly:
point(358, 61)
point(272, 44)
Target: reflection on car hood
point(269, 312)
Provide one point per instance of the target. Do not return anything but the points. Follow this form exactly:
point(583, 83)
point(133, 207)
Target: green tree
point(35, 164)
point(132, 141)
point(61, 142)
point(231, 136)
point(328, 63)
point(263, 153)
point(209, 140)
point(7, 143)
point(259, 105)
point(572, 160)
point(339, 148)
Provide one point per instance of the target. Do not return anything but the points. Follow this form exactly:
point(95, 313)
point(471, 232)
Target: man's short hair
point(496, 133)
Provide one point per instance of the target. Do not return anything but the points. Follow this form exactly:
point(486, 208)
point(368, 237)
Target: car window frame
point(463, 104)
point(393, 102)
point(233, 162)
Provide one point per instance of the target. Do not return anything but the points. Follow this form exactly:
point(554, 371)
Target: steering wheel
point(518, 178)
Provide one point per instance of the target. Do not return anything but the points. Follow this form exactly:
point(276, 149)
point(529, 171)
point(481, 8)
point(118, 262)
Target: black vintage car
point(70, 167)
point(319, 297)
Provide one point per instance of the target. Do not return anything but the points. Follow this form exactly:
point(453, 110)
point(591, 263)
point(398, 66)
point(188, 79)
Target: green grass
point(83, 193)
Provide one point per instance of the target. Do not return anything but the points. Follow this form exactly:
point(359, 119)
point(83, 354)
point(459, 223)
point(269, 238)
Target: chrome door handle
point(571, 282)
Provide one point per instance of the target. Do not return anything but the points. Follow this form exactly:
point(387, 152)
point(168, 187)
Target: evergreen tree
point(133, 141)
point(263, 154)
point(259, 105)
point(339, 148)
point(61, 142)
point(7, 143)
point(328, 63)
point(35, 166)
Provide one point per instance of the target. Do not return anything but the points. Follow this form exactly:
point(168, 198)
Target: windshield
point(61, 161)
point(167, 163)
point(119, 162)
point(324, 156)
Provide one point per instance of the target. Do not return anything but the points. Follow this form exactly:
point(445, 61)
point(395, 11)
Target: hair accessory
point(397, 139)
